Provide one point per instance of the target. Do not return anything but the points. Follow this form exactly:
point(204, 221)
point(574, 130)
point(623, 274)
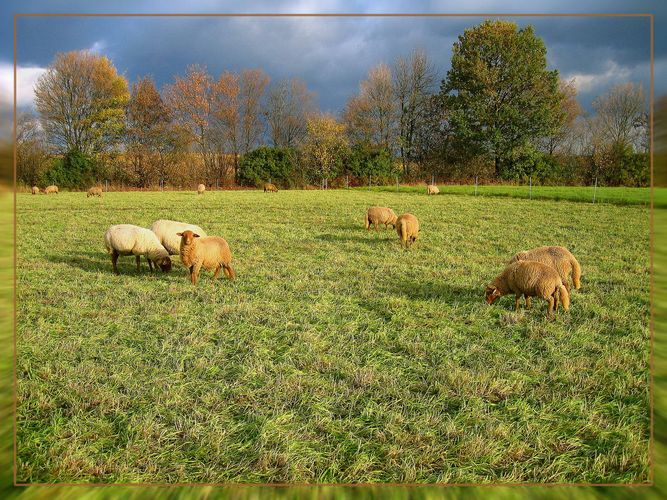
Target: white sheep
point(126, 239)
point(166, 230)
point(200, 189)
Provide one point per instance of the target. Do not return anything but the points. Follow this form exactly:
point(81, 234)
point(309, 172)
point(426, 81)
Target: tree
point(289, 104)
point(253, 85)
point(149, 132)
point(499, 92)
point(266, 164)
point(570, 111)
point(620, 112)
point(413, 82)
point(371, 115)
point(32, 159)
point(81, 102)
point(326, 146)
point(227, 111)
point(190, 101)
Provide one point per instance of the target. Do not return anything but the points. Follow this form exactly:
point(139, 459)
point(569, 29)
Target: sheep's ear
point(195, 235)
point(179, 234)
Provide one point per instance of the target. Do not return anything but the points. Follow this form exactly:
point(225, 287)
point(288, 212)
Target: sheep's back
point(166, 232)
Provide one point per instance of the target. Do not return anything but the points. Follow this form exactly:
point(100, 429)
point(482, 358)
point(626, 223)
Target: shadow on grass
point(429, 290)
point(369, 239)
point(96, 262)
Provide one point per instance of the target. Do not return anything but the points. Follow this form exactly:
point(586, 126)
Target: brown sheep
point(407, 227)
point(432, 189)
point(209, 252)
point(530, 279)
point(94, 191)
point(200, 189)
point(560, 258)
point(380, 215)
point(51, 189)
point(270, 188)
point(35, 190)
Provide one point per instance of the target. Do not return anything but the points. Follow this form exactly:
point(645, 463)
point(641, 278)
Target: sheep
point(209, 252)
point(35, 190)
point(380, 215)
point(166, 230)
point(94, 191)
point(407, 227)
point(560, 258)
point(530, 279)
point(51, 189)
point(432, 189)
point(200, 189)
point(270, 188)
point(126, 239)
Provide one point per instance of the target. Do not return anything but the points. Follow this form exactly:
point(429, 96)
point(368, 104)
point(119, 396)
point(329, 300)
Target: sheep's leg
point(216, 274)
point(517, 299)
point(114, 260)
point(556, 296)
point(550, 311)
point(138, 258)
point(195, 273)
point(528, 301)
point(567, 285)
point(150, 265)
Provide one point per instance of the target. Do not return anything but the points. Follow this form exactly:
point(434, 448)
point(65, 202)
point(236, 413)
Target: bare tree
point(619, 111)
point(289, 105)
point(253, 85)
point(414, 78)
point(562, 138)
point(31, 149)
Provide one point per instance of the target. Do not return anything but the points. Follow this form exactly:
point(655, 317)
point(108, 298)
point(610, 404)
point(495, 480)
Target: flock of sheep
point(540, 272)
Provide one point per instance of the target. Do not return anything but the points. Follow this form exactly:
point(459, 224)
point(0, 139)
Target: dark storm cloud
point(333, 54)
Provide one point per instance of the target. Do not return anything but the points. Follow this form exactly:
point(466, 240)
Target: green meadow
point(335, 356)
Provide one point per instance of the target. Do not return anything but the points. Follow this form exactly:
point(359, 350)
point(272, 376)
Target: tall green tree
point(499, 93)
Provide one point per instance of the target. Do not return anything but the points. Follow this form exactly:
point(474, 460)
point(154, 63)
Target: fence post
point(347, 182)
point(530, 187)
point(475, 185)
point(595, 189)
point(397, 183)
point(106, 186)
point(369, 182)
point(432, 178)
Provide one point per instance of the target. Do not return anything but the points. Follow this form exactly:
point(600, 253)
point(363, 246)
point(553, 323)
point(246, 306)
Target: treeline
point(498, 114)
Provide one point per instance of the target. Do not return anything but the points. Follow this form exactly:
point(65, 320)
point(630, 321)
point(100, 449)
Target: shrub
point(266, 164)
point(75, 170)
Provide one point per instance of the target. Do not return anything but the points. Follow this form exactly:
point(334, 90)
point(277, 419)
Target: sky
point(331, 54)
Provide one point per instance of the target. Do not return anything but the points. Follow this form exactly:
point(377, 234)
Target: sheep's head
point(164, 263)
point(519, 256)
point(491, 294)
point(392, 221)
point(187, 237)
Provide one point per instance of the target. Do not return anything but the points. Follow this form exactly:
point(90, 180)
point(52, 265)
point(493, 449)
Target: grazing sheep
point(35, 190)
point(432, 189)
point(200, 189)
point(560, 258)
point(51, 189)
point(380, 215)
point(530, 279)
point(166, 230)
point(94, 191)
point(407, 227)
point(209, 252)
point(126, 239)
point(270, 188)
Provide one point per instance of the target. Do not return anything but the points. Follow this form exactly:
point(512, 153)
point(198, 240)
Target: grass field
point(335, 356)
point(586, 194)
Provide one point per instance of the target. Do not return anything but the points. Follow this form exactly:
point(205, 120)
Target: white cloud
point(613, 73)
point(98, 46)
point(26, 77)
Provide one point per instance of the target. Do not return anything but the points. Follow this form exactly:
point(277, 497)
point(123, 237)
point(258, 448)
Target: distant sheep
point(560, 258)
point(200, 189)
point(166, 230)
point(126, 239)
point(407, 227)
point(51, 189)
point(530, 279)
point(380, 215)
point(432, 189)
point(270, 188)
point(210, 252)
point(35, 190)
point(94, 191)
